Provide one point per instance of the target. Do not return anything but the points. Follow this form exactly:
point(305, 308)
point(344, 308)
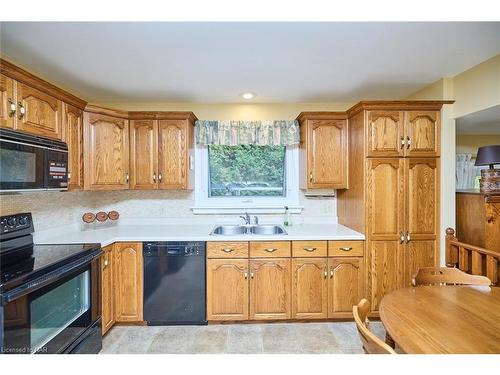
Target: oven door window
point(21, 166)
point(55, 312)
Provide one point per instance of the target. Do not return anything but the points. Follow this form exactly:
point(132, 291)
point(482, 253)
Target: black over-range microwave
point(30, 163)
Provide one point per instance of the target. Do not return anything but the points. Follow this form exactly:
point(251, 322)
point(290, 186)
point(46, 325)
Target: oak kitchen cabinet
point(129, 281)
point(394, 174)
point(277, 280)
point(395, 133)
point(161, 150)
point(323, 150)
point(73, 136)
point(122, 283)
point(106, 149)
point(107, 288)
point(8, 106)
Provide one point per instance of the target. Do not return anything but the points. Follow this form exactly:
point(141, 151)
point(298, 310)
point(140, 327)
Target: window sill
point(254, 209)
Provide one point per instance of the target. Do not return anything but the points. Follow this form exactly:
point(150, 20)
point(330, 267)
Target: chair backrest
point(445, 276)
point(371, 343)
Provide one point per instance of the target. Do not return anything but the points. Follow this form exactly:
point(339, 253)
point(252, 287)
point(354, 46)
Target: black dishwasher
point(174, 283)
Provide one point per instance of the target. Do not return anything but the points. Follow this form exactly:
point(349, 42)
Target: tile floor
point(293, 338)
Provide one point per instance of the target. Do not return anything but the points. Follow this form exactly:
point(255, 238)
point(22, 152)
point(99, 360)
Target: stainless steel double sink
point(261, 230)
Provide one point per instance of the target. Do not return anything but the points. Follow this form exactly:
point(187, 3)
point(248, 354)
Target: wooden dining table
point(443, 319)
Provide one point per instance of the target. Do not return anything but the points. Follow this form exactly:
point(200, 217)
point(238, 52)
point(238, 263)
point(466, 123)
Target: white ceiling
point(216, 62)
point(486, 121)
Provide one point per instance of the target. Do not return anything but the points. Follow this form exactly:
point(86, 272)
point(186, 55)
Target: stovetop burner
point(21, 260)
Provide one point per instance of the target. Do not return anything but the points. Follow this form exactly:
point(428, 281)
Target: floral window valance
point(233, 133)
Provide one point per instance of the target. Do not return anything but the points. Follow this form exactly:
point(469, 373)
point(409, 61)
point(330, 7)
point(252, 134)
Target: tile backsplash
point(51, 209)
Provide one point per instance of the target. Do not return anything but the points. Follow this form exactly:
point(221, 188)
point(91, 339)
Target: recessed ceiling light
point(248, 95)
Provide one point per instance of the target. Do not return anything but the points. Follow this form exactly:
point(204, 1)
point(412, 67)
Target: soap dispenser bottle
point(287, 220)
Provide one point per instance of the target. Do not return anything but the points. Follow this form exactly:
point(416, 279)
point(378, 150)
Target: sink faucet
point(246, 218)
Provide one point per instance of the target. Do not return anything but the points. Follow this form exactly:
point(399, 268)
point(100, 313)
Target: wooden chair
point(371, 343)
point(447, 276)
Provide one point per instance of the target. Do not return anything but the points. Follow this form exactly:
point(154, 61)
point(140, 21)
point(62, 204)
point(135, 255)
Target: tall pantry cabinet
point(394, 150)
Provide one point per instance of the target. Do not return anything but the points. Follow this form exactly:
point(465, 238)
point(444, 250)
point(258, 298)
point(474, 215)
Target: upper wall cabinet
point(161, 150)
point(38, 113)
point(399, 133)
point(106, 150)
point(8, 104)
point(385, 133)
point(73, 136)
point(323, 150)
point(32, 105)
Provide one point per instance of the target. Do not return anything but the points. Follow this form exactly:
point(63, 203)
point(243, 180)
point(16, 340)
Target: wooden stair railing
point(472, 259)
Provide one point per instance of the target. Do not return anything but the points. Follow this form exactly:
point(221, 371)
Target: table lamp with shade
point(490, 178)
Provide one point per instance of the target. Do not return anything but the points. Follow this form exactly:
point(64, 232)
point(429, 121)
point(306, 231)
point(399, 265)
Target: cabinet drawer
point(301, 249)
point(346, 248)
point(227, 249)
point(271, 249)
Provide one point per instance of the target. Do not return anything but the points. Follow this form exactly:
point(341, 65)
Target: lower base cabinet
point(107, 286)
point(270, 289)
point(227, 289)
point(283, 288)
point(310, 288)
point(121, 284)
point(346, 287)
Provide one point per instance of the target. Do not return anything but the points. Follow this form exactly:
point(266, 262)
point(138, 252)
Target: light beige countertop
point(142, 230)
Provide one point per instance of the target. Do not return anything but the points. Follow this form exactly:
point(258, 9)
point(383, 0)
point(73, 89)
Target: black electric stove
point(49, 294)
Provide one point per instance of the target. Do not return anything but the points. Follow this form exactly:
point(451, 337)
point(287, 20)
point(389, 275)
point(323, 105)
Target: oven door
point(52, 318)
point(22, 166)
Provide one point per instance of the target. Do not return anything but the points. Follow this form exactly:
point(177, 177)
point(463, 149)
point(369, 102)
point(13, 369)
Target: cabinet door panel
point(43, 113)
point(143, 154)
point(270, 289)
point(327, 154)
point(385, 201)
point(418, 254)
point(172, 153)
point(423, 133)
point(385, 133)
point(73, 136)
point(129, 282)
point(422, 201)
point(346, 284)
point(227, 289)
point(386, 269)
point(107, 287)
point(309, 288)
point(106, 148)
point(7, 102)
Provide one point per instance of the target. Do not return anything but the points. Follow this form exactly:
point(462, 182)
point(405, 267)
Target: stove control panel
point(16, 223)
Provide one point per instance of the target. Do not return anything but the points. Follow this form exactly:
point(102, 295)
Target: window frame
point(220, 205)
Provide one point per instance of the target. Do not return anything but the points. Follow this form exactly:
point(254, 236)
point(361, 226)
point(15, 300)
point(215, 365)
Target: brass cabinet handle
point(227, 250)
point(12, 107)
point(106, 263)
point(251, 275)
point(347, 248)
point(22, 110)
point(154, 177)
point(310, 249)
point(402, 142)
point(69, 176)
point(246, 275)
point(127, 177)
point(331, 272)
point(159, 177)
point(271, 249)
point(326, 272)
point(401, 237)
point(408, 237)
point(408, 142)
point(310, 177)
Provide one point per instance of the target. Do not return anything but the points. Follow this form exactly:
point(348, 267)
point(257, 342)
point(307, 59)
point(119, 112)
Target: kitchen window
point(254, 178)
